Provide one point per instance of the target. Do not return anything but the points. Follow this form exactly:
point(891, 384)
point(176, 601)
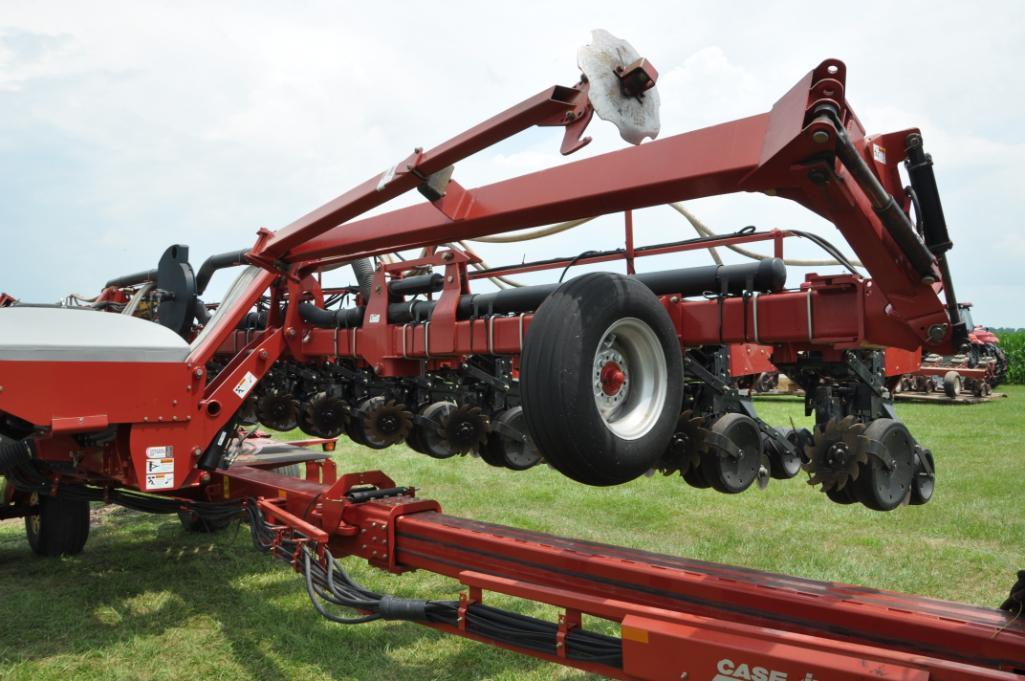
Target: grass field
point(148, 601)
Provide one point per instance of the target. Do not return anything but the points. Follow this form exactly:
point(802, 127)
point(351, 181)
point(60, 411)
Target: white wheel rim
point(629, 378)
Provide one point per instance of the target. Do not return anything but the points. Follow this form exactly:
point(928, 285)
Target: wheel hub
point(611, 379)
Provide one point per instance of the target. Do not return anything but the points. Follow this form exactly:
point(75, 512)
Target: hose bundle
point(328, 584)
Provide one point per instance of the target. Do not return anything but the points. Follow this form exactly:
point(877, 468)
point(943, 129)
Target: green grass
point(147, 601)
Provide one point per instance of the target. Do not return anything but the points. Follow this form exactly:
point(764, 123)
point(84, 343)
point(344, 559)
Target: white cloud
point(128, 126)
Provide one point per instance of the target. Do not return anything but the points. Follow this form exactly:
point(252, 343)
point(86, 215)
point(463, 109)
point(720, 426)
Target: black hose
point(216, 262)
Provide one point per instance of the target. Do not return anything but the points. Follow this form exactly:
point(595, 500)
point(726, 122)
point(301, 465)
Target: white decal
point(245, 385)
point(159, 452)
point(159, 466)
point(159, 480)
point(879, 154)
point(730, 670)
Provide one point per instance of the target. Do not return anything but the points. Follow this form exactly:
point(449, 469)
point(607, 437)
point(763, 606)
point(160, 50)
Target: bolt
point(450, 279)
point(197, 452)
point(174, 403)
point(447, 256)
point(820, 137)
point(1, 388)
point(291, 332)
point(198, 373)
point(674, 299)
point(263, 354)
point(418, 150)
point(145, 418)
point(684, 676)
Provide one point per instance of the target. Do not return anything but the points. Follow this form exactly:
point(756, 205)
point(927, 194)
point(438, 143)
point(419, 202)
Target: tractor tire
point(952, 384)
point(601, 374)
point(60, 527)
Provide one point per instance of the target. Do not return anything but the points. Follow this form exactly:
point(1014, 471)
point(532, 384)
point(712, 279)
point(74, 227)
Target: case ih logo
point(730, 670)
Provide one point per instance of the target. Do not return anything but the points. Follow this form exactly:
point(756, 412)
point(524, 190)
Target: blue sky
point(127, 127)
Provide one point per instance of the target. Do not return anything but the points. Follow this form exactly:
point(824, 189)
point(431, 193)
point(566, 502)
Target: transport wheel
point(924, 482)
point(733, 453)
point(783, 465)
point(886, 476)
point(58, 526)
point(508, 444)
point(952, 384)
point(601, 380)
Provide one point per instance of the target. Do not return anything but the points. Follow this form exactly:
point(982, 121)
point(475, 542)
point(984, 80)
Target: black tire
point(924, 482)
point(60, 527)
point(558, 362)
point(877, 487)
point(952, 384)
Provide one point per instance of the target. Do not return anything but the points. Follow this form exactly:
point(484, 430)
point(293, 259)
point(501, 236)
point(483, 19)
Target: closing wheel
point(600, 379)
point(887, 474)
point(952, 384)
point(431, 436)
point(508, 444)
point(57, 526)
point(924, 482)
point(733, 453)
point(783, 464)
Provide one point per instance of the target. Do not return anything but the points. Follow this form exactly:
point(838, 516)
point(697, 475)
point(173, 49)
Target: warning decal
point(159, 467)
point(245, 385)
point(159, 480)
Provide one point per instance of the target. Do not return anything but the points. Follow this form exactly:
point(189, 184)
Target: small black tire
point(58, 526)
point(782, 464)
point(924, 483)
point(952, 384)
point(573, 330)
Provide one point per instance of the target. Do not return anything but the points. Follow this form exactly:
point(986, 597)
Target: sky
point(128, 127)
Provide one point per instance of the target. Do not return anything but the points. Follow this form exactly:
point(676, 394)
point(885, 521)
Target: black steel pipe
point(767, 275)
point(344, 318)
point(132, 279)
point(420, 283)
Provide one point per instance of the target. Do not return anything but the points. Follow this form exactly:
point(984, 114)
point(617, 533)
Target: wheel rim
point(629, 378)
